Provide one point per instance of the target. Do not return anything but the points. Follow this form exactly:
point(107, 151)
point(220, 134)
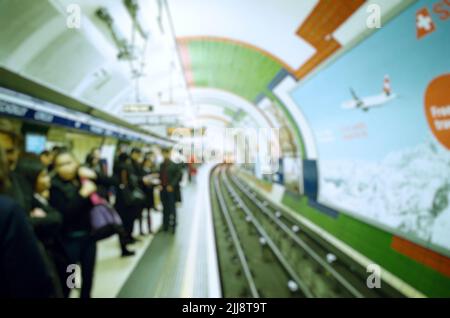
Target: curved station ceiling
point(197, 63)
point(357, 90)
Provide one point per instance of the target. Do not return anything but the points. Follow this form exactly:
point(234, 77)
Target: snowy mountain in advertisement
point(408, 191)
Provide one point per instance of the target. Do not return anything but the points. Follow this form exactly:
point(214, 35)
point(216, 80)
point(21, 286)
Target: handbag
point(105, 220)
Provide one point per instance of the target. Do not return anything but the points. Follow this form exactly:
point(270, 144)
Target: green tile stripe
point(238, 69)
point(231, 66)
point(375, 244)
point(228, 112)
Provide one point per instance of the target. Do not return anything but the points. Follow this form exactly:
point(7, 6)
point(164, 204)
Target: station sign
point(137, 108)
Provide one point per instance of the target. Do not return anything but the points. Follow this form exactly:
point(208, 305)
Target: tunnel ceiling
point(247, 55)
point(243, 48)
point(227, 65)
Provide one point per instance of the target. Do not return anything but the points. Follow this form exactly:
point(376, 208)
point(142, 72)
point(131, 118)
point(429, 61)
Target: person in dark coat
point(127, 207)
point(10, 141)
point(149, 186)
point(106, 184)
point(169, 175)
point(178, 198)
point(23, 272)
point(46, 220)
point(181, 166)
point(71, 197)
point(137, 175)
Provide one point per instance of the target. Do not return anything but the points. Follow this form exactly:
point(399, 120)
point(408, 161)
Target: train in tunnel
point(225, 149)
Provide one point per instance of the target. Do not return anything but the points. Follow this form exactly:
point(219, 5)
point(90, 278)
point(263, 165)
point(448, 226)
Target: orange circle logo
point(437, 108)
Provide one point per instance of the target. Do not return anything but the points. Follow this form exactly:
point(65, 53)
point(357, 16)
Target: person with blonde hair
point(70, 195)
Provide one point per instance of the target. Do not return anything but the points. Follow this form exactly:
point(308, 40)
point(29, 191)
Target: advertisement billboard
point(381, 120)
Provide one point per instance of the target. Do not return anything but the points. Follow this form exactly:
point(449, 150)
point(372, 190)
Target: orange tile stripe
point(318, 28)
point(422, 255)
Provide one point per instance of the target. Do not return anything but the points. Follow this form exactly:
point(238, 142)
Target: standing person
point(181, 166)
point(46, 158)
point(10, 141)
point(53, 152)
point(169, 175)
point(192, 168)
point(129, 196)
point(46, 220)
point(137, 177)
point(24, 273)
point(5, 182)
point(150, 171)
point(71, 197)
point(104, 184)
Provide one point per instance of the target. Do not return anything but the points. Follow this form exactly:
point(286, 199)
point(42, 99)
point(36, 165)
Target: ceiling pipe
point(133, 9)
point(125, 49)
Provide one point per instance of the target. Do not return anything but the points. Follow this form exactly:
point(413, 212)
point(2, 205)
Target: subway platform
point(183, 264)
point(346, 101)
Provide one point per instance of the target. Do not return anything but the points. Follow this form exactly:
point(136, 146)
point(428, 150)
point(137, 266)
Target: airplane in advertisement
point(368, 102)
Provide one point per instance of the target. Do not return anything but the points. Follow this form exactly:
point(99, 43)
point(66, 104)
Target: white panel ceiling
point(267, 24)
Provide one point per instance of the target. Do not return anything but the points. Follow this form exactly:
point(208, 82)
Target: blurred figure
point(106, 183)
point(95, 163)
point(24, 272)
point(71, 197)
point(169, 175)
point(181, 166)
point(137, 175)
point(46, 220)
point(4, 172)
point(151, 174)
point(192, 169)
point(46, 157)
point(10, 141)
point(130, 197)
point(53, 152)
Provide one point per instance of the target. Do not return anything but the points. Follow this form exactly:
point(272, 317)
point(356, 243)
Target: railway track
point(265, 252)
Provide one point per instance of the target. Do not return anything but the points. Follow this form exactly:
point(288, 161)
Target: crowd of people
point(46, 204)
